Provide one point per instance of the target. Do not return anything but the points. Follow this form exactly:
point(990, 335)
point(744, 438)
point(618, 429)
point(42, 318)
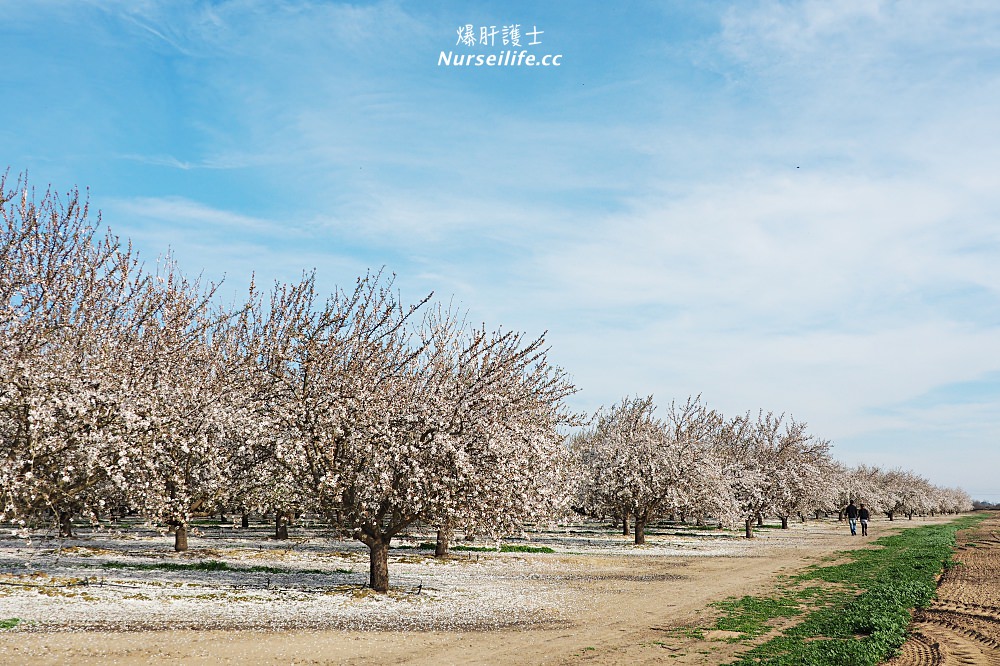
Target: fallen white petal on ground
point(121, 581)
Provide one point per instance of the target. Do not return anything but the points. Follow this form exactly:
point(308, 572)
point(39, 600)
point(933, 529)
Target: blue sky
point(781, 205)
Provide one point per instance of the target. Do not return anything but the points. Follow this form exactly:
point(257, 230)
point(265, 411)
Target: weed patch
point(750, 616)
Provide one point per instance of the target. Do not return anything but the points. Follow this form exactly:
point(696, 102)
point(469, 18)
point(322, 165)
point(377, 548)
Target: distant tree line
point(695, 463)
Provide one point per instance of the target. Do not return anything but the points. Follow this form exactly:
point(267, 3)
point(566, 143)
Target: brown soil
point(962, 625)
point(633, 610)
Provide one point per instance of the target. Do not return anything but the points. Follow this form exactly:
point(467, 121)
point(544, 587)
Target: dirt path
point(962, 625)
point(617, 626)
point(627, 607)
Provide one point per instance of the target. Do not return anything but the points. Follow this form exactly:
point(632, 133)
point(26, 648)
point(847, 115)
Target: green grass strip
point(853, 614)
point(10, 623)
point(505, 548)
point(214, 565)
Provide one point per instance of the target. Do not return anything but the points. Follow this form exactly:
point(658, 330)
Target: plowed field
point(962, 625)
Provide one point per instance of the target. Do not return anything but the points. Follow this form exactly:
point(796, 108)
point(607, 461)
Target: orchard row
point(696, 463)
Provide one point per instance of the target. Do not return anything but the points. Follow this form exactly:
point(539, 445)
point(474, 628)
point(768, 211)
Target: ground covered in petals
point(128, 578)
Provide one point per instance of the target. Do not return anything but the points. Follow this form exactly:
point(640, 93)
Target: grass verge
point(852, 614)
point(504, 548)
point(507, 548)
point(214, 565)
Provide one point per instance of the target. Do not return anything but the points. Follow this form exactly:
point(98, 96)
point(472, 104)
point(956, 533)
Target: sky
point(787, 206)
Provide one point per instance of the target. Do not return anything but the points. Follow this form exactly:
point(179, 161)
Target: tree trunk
point(378, 565)
point(784, 522)
point(889, 514)
point(443, 537)
point(749, 528)
point(625, 530)
point(802, 517)
point(817, 514)
point(760, 520)
point(245, 520)
point(280, 525)
point(180, 538)
point(640, 531)
point(65, 524)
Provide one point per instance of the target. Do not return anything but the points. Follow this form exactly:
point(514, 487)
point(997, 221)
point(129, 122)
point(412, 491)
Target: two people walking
point(854, 514)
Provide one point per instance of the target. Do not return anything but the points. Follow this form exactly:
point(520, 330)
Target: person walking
point(852, 518)
point(864, 516)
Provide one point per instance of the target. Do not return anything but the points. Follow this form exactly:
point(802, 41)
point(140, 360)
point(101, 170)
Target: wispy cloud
point(184, 213)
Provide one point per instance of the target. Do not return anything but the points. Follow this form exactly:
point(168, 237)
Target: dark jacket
point(852, 511)
point(864, 514)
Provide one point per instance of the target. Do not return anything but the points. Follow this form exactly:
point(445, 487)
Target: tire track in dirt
point(962, 624)
point(920, 650)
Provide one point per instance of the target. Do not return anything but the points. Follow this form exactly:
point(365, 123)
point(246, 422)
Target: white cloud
point(179, 212)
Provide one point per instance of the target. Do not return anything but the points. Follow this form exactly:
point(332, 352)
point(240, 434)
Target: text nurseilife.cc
point(514, 41)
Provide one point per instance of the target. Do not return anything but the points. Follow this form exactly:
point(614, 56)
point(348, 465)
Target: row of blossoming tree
point(696, 463)
point(127, 388)
point(123, 387)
